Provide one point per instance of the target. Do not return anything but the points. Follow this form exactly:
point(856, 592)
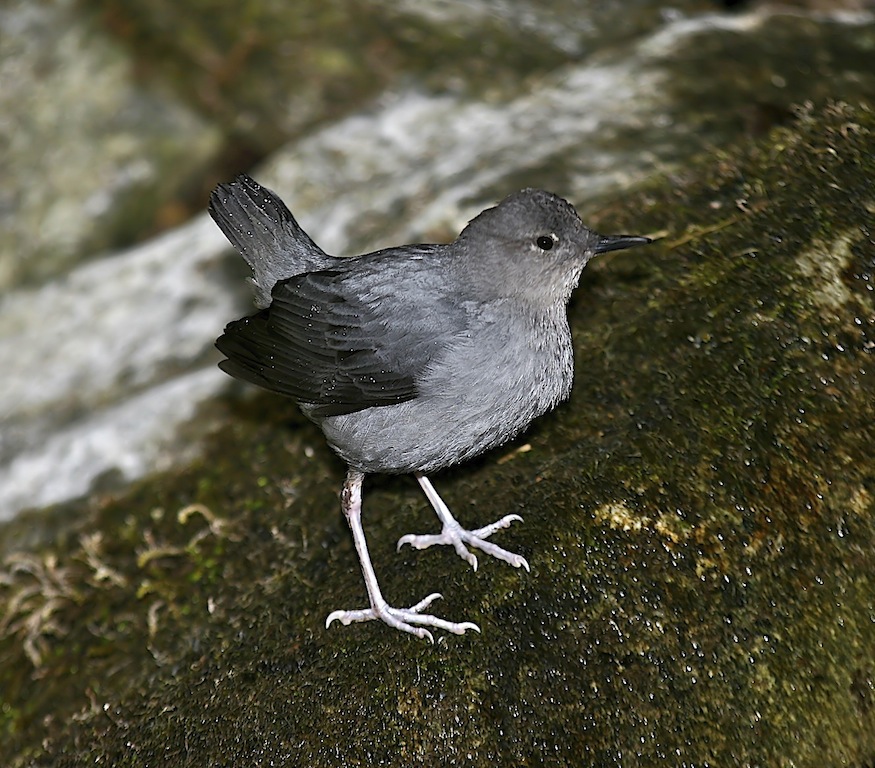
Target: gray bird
point(414, 358)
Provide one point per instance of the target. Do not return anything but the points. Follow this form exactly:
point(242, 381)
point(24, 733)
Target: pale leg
point(453, 533)
point(406, 619)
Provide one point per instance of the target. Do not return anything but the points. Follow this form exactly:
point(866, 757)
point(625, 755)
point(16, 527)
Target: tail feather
point(262, 228)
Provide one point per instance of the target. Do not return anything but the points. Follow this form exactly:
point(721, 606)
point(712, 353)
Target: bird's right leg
point(410, 620)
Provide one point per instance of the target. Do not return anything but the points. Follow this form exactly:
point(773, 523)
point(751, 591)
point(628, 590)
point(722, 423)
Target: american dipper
point(414, 358)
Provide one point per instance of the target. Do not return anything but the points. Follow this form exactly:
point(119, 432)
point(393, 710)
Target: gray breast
point(481, 391)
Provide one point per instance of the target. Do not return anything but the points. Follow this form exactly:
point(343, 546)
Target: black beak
point(619, 242)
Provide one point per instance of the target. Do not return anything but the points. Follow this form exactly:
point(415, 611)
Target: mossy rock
point(699, 519)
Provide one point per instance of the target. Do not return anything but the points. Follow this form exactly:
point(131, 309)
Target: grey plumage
point(262, 228)
point(415, 358)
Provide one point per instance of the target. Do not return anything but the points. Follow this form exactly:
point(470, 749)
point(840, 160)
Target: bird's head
point(533, 243)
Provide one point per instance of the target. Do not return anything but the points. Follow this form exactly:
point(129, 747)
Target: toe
point(419, 541)
point(422, 604)
point(505, 522)
point(348, 617)
point(466, 555)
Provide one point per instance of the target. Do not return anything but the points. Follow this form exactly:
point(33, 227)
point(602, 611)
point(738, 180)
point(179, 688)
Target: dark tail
point(262, 228)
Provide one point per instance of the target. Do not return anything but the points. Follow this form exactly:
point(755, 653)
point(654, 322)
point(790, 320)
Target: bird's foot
point(406, 619)
point(454, 534)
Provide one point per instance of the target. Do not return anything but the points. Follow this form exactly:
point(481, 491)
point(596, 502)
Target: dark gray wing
point(342, 340)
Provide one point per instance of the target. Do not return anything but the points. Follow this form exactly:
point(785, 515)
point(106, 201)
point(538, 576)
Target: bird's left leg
point(453, 533)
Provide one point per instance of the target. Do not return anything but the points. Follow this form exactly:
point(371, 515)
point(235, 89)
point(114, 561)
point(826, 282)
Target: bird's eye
point(545, 242)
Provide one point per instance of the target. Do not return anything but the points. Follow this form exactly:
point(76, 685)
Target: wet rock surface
point(699, 521)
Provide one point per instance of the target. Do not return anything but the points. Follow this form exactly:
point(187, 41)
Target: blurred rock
point(90, 157)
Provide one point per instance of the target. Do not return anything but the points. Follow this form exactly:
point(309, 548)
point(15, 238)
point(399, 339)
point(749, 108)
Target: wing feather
point(339, 340)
